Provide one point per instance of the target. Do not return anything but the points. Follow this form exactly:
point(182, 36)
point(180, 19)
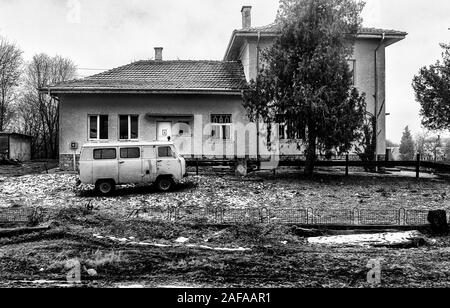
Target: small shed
point(15, 146)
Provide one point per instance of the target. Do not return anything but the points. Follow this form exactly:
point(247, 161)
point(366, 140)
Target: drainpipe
point(257, 116)
point(383, 36)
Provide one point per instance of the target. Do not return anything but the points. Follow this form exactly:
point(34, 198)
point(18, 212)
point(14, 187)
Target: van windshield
point(174, 150)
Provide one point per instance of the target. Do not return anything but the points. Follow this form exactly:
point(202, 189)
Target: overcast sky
point(104, 34)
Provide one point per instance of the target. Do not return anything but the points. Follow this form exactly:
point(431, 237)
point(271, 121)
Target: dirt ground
point(151, 254)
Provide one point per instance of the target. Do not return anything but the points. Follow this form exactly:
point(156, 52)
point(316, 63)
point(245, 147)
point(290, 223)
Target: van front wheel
point(105, 187)
point(164, 184)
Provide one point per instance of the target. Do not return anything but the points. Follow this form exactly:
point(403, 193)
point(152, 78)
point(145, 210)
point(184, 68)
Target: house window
point(105, 154)
point(352, 68)
point(128, 127)
point(221, 127)
point(290, 127)
point(130, 153)
point(98, 127)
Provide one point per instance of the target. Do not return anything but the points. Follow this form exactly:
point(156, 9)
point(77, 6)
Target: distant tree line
point(432, 89)
point(23, 109)
point(430, 147)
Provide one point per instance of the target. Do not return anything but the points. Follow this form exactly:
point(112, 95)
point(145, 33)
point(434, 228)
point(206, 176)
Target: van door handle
point(159, 161)
point(121, 162)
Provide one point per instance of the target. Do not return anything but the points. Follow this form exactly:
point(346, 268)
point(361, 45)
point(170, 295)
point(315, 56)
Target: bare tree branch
point(10, 72)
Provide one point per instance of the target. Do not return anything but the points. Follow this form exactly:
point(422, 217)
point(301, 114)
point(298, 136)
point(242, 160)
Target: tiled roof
point(175, 76)
point(381, 31)
point(274, 28)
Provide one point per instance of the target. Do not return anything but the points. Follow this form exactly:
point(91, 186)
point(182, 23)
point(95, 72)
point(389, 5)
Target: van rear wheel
point(164, 184)
point(105, 187)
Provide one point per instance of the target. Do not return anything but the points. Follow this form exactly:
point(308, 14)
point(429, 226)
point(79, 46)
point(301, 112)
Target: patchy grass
point(326, 191)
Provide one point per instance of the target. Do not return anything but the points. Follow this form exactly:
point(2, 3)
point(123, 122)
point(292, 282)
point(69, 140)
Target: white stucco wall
point(20, 148)
point(75, 110)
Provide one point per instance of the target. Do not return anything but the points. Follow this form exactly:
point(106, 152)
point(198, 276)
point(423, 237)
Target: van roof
point(125, 144)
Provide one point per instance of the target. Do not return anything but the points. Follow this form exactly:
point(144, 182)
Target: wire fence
point(299, 216)
point(310, 216)
point(22, 216)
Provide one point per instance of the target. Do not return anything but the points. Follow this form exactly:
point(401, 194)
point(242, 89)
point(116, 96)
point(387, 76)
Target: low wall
point(66, 162)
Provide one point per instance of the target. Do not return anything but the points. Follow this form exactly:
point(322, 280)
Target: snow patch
point(380, 239)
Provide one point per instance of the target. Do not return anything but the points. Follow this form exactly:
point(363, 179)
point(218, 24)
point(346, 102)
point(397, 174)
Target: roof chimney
point(246, 17)
point(158, 53)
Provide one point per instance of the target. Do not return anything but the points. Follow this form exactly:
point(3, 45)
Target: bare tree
point(429, 147)
point(39, 113)
point(10, 72)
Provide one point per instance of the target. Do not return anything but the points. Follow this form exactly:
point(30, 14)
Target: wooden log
point(21, 231)
point(302, 232)
point(438, 221)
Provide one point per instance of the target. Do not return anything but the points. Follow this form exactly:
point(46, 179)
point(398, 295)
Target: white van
point(106, 165)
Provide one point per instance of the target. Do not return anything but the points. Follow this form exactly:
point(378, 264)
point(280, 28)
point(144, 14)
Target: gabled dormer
point(247, 41)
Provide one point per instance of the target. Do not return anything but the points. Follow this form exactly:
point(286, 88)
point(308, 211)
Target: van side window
point(105, 154)
point(130, 153)
point(165, 152)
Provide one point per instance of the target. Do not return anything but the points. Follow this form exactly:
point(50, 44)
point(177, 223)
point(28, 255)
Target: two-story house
point(198, 104)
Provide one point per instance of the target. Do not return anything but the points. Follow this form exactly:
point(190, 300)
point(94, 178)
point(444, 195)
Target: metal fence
point(300, 216)
point(310, 216)
point(22, 216)
point(299, 161)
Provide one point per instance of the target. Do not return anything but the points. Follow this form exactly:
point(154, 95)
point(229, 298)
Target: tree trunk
point(310, 154)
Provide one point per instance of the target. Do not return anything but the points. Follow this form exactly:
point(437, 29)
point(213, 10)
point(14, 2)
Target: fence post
point(355, 217)
point(402, 221)
point(310, 216)
point(418, 166)
point(196, 166)
point(346, 164)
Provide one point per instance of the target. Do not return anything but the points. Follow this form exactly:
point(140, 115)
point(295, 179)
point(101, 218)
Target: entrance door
point(164, 131)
